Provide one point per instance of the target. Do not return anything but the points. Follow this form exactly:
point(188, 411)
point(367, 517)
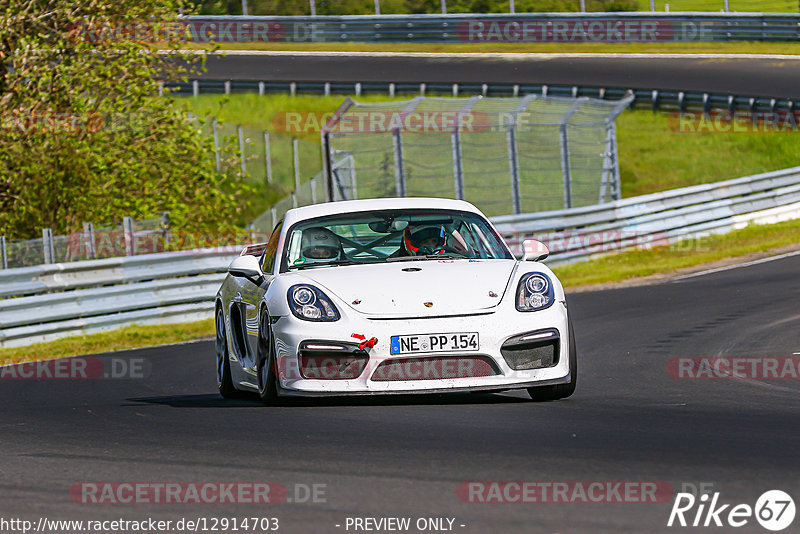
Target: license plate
point(460, 341)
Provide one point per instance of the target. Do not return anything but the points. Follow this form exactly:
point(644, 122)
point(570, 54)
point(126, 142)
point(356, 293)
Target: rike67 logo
point(774, 510)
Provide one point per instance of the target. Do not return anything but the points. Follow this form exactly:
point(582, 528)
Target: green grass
point(736, 47)
point(760, 6)
point(653, 157)
point(612, 268)
point(125, 338)
point(691, 253)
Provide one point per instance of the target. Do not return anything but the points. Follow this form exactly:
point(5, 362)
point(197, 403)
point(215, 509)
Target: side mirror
point(246, 267)
point(533, 250)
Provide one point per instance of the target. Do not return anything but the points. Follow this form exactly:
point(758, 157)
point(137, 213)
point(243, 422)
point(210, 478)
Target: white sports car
point(391, 296)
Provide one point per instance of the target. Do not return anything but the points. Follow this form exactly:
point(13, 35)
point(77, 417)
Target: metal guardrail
point(657, 219)
point(504, 27)
point(54, 300)
point(655, 99)
point(50, 301)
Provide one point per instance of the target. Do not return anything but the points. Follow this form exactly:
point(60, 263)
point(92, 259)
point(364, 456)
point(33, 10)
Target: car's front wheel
point(224, 380)
point(267, 376)
point(560, 391)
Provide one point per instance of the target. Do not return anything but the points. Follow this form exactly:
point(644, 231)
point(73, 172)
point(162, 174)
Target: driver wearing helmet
point(320, 245)
point(422, 240)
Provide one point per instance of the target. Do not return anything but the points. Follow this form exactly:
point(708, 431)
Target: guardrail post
point(274, 214)
point(195, 88)
point(444, 6)
point(399, 168)
point(511, 6)
point(327, 88)
point(268, 157)
point(214, 128)
point(3, 253)
point(513, 164)
point(377, 7)
point(130, 239)
point(47, 245)
point(227, 87)
point(261, 88)
point(88, 240)
point(240, 133)
point(244, 7)
point(312, 6)
point(391, 90)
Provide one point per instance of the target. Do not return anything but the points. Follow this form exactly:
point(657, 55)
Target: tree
point(84, 133)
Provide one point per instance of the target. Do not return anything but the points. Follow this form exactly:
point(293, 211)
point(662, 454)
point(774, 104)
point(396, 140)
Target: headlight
point(310, 304)
point(534, 292)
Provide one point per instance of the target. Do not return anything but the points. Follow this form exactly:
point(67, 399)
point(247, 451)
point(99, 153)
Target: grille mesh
point(434, 368)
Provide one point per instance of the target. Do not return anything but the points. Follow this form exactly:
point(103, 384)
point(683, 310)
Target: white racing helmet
point(320, 244)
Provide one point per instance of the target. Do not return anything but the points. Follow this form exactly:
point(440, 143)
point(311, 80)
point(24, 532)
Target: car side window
point(268, 259)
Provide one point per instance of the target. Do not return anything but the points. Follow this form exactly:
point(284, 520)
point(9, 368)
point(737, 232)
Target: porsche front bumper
point(494, 329)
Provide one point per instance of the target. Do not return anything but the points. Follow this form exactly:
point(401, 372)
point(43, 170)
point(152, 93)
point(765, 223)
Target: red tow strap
point(365, 343)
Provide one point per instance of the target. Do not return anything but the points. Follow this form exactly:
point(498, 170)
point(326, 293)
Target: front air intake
point(534, 350)
point(435, 368)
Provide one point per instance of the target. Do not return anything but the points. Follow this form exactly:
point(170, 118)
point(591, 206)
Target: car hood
point(401, 289)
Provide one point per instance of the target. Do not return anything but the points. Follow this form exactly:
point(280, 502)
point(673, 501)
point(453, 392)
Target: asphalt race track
point(628, 421)
point(779, 78)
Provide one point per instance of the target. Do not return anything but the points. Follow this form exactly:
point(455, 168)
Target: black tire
point(224, 380)
point(267, 376)
point(560, 391)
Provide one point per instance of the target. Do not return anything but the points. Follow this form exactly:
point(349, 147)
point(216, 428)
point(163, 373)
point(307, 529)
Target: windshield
point(391, 235)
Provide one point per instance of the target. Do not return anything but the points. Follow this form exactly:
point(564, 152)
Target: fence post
point(566, 175)
point(296, 166)
point(47, 245)
point(165, 226)
point(458, 170)
point(88, 240)
point(240, 133)
point(268, 157)
point(3, 253)
point(130, 241)
point(513, 164)
point(566, 171)
point(214, 126)
point(455, 138)
point(399, 170)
